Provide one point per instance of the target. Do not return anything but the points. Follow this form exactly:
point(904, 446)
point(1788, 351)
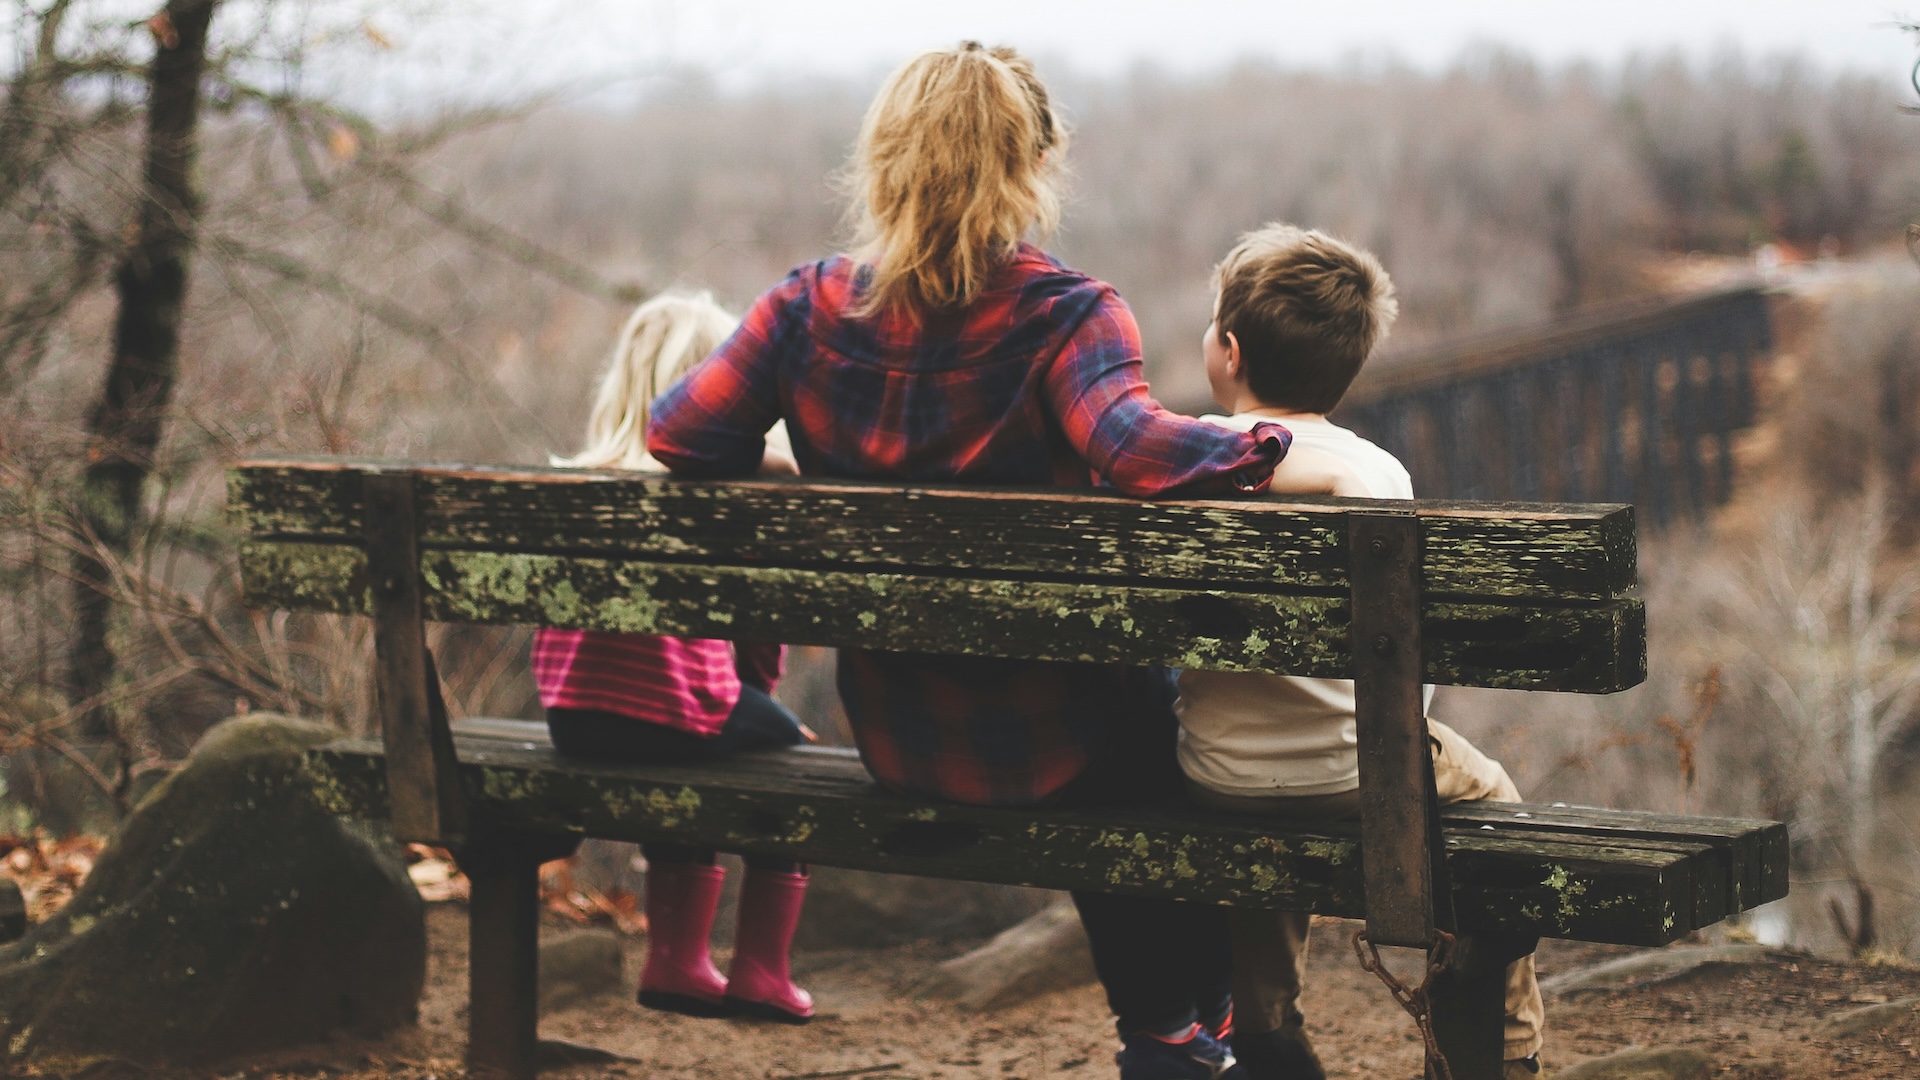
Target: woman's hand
point(1306, 471)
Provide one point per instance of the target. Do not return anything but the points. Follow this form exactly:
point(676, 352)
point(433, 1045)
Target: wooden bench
point(1527, 597)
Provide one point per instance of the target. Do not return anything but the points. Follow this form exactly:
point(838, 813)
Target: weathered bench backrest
point(1531, 597)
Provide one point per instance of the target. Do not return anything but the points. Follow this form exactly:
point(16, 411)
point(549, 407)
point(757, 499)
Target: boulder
point(1651, 1063)
point(1045, 953)
point(861, 910)
point(227, 915)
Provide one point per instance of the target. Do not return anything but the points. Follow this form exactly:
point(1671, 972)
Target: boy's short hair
point(1306, 308)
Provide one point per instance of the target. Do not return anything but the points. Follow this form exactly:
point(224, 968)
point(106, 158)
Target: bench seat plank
point(1595, 647)
point(1719, 847)
point(1757, 856)
point(821, 807)
point(1474, 550)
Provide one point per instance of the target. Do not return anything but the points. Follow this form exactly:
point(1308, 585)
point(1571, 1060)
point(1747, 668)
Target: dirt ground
point(1756, 1021)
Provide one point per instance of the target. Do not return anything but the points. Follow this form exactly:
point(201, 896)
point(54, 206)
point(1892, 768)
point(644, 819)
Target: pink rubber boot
point(758, 983)
point(679, 975)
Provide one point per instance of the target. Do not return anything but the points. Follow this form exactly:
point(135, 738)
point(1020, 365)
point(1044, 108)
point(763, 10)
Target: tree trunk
point(124, 426)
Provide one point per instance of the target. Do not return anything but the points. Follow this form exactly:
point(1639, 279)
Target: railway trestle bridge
point(1636, 402)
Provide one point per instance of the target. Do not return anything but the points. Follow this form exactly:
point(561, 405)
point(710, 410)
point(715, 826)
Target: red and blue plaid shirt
point(1037, 382)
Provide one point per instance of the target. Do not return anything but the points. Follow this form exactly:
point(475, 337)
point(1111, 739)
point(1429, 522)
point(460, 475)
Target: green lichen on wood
point(305, 577)
point(1531, 880)
point(1588, 648)
point(1472, 550)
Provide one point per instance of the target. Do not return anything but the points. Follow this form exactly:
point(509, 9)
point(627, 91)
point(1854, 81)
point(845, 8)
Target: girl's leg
point(590, 733)
point(683, 889)
point(757, 722)
point(760, 983)
point(683, 885)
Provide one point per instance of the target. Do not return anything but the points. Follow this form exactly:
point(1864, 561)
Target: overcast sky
point(750, 40)
point(848, 34)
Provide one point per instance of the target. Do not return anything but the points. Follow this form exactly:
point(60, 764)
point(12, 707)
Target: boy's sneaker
point(1194, 1055)
point(1221, 1026)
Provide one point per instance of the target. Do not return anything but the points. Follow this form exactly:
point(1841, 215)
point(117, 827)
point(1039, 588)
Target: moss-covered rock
point(228, 914)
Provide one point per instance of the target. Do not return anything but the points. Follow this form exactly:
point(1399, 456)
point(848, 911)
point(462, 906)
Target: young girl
point(640, 697)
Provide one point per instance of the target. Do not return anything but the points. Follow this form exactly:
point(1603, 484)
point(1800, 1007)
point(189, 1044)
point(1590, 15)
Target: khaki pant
point(1270, 947)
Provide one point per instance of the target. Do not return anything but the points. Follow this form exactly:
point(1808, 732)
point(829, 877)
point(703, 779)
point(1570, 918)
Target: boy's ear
point(1234, 367)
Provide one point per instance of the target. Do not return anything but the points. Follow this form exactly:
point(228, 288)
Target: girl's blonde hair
point(958, 159)
point(662, 340)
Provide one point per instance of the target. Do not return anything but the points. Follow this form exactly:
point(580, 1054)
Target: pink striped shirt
point(685, 683)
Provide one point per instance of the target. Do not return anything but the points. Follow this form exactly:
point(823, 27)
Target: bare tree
point(124, 425)
point(308, 220)
point(1816, 616)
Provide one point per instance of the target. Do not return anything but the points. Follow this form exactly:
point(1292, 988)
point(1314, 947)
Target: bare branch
point(439, 343)
point(452, 213)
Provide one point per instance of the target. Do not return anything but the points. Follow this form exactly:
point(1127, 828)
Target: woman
point(945, 348)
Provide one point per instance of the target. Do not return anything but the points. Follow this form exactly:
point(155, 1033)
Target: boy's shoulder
point(1385, 475)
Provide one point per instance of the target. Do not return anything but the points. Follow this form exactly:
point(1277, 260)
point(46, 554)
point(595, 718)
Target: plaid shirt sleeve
point(1097, 391)
point(713, 423)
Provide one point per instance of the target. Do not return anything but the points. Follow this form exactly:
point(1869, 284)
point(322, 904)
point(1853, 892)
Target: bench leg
point(1469, 1004)
point(503, 953)
point(503, 965)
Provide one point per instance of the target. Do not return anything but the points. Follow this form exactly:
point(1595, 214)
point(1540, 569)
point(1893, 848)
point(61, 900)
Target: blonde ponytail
point(958, 160)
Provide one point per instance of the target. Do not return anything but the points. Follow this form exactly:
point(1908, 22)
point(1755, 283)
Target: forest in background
point(446, 285)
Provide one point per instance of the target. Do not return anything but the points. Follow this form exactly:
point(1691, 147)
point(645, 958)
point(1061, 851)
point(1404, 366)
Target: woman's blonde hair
point(662, 340)
point(958, 159)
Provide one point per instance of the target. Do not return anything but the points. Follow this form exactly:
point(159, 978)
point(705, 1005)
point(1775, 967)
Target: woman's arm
point(1100, 397)
point(713, 422)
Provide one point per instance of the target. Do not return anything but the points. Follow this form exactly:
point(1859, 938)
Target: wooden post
point(423, 776)
point(1655, 484)
point(1614, 482)
point(503, 952)
point(503, 962)
point(1469, 1004)
point(1403, 851)
point(1520, 408)
point(1687, 426)
point(1721, 412)
point(1399, 818)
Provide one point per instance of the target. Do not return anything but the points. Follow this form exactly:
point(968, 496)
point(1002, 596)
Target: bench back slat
point(1595, 648)
point(659, 564)
point(1545, 552)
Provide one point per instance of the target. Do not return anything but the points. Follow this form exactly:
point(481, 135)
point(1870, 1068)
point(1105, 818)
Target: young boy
point(1296, 314)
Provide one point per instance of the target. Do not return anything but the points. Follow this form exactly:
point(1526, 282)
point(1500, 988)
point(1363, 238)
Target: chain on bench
point(1413, 999)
